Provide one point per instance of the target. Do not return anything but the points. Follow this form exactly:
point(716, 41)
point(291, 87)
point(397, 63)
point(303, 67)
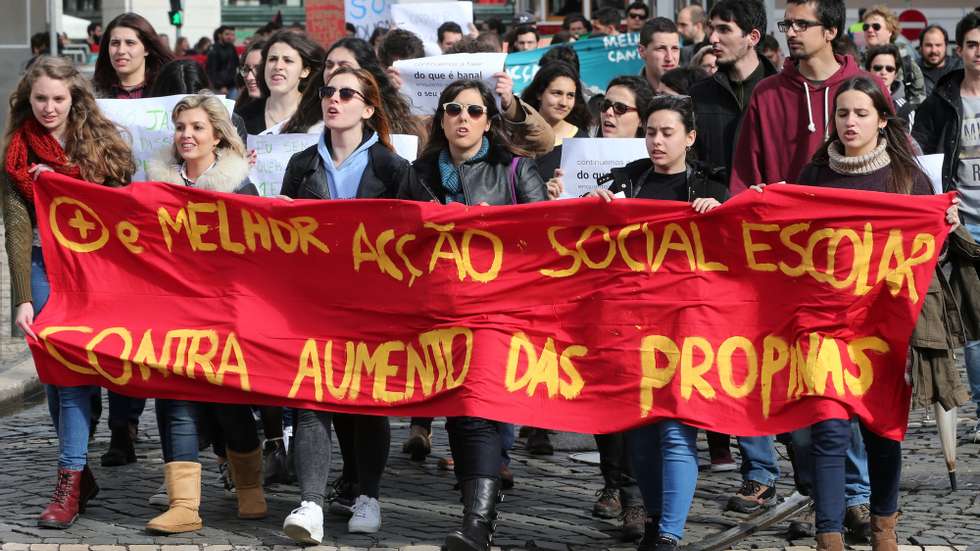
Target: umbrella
point(946, 423)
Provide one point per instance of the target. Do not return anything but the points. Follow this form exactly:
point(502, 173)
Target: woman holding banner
point(130, 57)
point(354, 159)
point(664, 454)
point(207, 154)
point(470, 159)
point(869, 148)
point(55, 125)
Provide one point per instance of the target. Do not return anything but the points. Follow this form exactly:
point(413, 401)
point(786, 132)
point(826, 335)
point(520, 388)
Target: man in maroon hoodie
point(791, 113)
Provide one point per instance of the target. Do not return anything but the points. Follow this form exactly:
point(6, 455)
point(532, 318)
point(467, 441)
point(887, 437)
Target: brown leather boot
point(63, 509)
point(883, 536)
point(831, 541)
point(183, 479)
point(246, 469)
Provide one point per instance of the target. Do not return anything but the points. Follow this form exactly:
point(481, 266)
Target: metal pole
point(53, 26)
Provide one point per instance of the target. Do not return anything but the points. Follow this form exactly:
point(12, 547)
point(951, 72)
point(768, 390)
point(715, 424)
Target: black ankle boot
point(480, 497)
point(121, 450)
point(651, 533)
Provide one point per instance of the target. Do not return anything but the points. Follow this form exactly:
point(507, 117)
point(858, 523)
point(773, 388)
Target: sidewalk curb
point(18, 382)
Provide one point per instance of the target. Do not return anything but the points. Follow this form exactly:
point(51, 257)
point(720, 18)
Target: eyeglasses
point(635, 15)
point(875, 26)
point(880, 68)
point(244, 70)
point(798, 25)
point(618, 107)
point(454, 109)
point(346, 94)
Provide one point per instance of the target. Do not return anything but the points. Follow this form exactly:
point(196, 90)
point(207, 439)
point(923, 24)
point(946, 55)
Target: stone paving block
point(108, 548)
point(44, 547)
point(73, 547)
point(937, 548)
point(144, 547)
point(181, 547)
point(420, 548)
point(16, 547)
point(909, 548)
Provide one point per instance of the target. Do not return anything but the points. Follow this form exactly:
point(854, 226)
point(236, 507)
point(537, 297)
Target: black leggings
point(364, 441)
point(238, 426)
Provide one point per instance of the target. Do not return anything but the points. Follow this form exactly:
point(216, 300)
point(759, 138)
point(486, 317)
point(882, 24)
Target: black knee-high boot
point(480, 496)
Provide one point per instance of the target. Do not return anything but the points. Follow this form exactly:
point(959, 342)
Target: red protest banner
point(769, 313)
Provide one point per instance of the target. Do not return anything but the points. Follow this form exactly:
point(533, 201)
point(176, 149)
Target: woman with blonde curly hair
point(207, 154)
point(55, 125)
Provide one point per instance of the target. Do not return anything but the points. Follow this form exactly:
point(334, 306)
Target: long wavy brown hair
point(92, 141)
point(372, 95)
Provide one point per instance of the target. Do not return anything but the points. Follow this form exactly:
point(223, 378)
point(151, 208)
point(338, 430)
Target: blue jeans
point(973, 347)
point(507, 437)
point(665, 461)
point(178, 429)
point(759, 459)
point(830, 441)
point(857, 486)
point(70, 407)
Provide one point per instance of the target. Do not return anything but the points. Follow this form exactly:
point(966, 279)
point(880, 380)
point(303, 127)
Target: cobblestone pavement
point(548, 509)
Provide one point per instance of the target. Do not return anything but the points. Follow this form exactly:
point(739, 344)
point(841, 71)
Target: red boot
point(88, 489)
point(63, 509)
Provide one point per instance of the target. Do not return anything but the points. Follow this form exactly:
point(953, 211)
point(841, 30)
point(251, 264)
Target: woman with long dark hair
point(54, 124)
point(354, 159)
point(130, 56)
point(247, 79)
point(869, 148)
point(470, 159)
point(290, 62)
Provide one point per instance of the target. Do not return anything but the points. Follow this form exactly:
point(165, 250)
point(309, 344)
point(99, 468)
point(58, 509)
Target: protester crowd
point(722, 112)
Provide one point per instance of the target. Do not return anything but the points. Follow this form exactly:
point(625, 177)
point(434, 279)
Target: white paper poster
point(406, 146)
point(148, 113)
point(146, 145)
point(273, 152)
point(424, 19)
point(585, 160)
point(424, 79)
point(932, 165)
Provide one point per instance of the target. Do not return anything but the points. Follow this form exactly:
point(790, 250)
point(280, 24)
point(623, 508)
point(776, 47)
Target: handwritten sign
point(273, 152)
point(148, 113)
point(585, 160)
point(424, 19)
point(425, 78)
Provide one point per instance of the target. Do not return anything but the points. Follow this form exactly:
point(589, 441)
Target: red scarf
point(31, 137)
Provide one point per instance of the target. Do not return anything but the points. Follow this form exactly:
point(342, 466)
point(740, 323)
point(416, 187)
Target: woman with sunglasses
point(247, 78)
point(469, 159)
point(353, 160)
point(881, 27)
point(886, 62)
point(290, 60)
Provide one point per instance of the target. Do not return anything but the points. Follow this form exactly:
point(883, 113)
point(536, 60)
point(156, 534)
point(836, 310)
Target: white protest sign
point(585, 160)
point(146, 145)
point(366, 15)
point(273, 152)
point(424, 19)
point(148, 113)
point(424, 79)
point(932, 165)
point(406, 146)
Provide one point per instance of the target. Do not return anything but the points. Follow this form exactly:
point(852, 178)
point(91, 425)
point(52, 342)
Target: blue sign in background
point(600, 59)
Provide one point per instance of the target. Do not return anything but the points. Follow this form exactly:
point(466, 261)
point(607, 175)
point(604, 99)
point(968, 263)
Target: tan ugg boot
point(183, 480)
point(832, 541)
point(883, 536)
point(246, 470)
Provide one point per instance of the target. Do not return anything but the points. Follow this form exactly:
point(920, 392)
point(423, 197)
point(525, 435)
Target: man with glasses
point(222, 62)
point(637, 14)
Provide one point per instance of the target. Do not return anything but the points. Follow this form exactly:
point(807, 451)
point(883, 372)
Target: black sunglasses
point(875, 26)
point(636, 15)
point(879, 68)
point(454, 109)
point(618, 107)
point(346, 94)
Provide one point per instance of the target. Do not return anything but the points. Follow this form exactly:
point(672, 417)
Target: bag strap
point(512, 178)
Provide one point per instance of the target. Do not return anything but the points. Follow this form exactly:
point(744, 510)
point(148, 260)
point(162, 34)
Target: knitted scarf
point(449, 172)
point(31, 137)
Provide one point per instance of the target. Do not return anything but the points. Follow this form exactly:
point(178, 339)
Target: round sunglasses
point(454, 109)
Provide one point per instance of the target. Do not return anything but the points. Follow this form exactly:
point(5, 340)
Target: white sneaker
point(305, 523)
point(367, 516)
point(160, 497)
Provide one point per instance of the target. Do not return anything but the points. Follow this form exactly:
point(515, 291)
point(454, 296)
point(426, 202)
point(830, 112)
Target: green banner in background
point(601, 60)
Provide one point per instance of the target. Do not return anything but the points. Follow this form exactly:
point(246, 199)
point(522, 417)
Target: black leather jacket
point(483, 181)
point(701, 180)
point(306, 178)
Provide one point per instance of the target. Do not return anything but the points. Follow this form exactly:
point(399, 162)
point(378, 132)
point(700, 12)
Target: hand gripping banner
point(774, 311)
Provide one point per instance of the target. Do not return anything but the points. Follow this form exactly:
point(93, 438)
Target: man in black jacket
point(223, 61)
point(935, 63)
point(737, 27)
point(948, 122)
